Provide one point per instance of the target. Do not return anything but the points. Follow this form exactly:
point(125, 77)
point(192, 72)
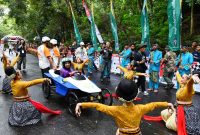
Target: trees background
point(31, 18)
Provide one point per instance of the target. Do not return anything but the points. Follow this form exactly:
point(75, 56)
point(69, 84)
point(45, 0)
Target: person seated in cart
point(129, 72)
point(79, 64)
point(127, 116)
point(66, 70)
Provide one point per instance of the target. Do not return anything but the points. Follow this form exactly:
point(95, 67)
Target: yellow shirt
point(80, 66)
point(19, 87)
point(129, 74)
point(185, 92)
point(126, 116)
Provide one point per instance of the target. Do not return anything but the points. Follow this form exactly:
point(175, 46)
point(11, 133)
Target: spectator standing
point(22, 55)
point(55, 52)
point(106, 53)
point(90, 53)
point(184, 62)
point(81, 51)
point(155, 58)
point(170, 63)
point(44, 56)
point(126, 56)
point(140, 59)
point(196, 54)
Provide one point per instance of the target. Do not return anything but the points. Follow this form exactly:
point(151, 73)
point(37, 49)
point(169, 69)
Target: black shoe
point(171, 86)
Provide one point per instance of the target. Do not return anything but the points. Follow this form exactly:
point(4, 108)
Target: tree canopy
point(53, 18)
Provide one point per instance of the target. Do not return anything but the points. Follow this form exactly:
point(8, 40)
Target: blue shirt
point(90, 52)
point(186, 60)
point(155, 56)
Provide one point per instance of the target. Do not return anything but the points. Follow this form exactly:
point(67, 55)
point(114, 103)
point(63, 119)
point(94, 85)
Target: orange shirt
point(56, 51)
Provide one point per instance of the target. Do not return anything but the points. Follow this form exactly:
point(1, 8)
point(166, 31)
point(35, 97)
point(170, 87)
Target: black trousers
point(46, 70)
point(21, 61)
point(141, 83)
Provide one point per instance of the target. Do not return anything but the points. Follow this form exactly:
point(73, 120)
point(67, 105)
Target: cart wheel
point(106, 97)
point(46, 89)
point(72, 100)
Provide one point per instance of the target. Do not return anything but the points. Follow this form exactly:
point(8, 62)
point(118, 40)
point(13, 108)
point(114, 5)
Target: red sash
point(40, 107)
point(181, 121)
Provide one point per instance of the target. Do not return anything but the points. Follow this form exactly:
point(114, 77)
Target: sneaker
point(156, 91)
point(145, 93)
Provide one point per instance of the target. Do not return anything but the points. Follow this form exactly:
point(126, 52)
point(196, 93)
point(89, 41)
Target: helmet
point(65, 60)
point(53, 41)
point(45, 39)
point(82, 43)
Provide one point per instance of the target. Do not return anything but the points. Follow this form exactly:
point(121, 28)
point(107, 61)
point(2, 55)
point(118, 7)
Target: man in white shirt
point(55, 53)
point(81, 51)
point(44, 56)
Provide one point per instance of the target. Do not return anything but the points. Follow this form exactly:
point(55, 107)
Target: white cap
point(45, 39)
point(82, 43)
point(53, 41)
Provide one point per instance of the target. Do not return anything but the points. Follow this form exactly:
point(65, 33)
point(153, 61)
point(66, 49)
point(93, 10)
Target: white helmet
point(45, 39)
point(53, 41)
point(82, 43)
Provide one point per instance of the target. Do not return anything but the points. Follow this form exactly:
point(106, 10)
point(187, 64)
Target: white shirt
point(81, 53)
point(43, 60)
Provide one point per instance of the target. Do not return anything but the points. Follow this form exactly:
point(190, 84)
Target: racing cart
point(75, 89)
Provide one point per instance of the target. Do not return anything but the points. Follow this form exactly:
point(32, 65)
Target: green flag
point(174, 18)
point(114, 27)
point(145, 26)
point(93, 31)
point(76, 31)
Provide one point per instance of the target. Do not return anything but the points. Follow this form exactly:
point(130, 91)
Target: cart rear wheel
point(72, 100)
point(46, 89)
point(106, 97)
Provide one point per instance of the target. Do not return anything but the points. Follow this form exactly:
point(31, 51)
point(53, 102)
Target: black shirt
point(22, 51)
point(139, 56)
point(106, 54)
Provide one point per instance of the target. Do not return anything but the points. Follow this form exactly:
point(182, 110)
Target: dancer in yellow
point(24, 111)
point(186, 118)
point(79, 65)
point(129, 72)
point(7, 62)
point(6, 88)
point(127, 116)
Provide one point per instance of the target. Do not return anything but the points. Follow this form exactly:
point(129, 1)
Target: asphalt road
point(91, 121)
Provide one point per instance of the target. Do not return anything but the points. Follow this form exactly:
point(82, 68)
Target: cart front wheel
point(72, 100)
point(46, 89)
point(106, 97)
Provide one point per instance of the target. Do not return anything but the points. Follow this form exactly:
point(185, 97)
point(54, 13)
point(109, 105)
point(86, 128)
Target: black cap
point(127, 90)
point(184, 46)
point(141, 46)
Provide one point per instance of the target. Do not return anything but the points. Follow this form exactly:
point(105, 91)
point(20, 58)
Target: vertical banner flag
point(145, 26)
point(76, 31)
point(87, 11)
point(114, 27)
point(174, 18)
point(93, 30)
